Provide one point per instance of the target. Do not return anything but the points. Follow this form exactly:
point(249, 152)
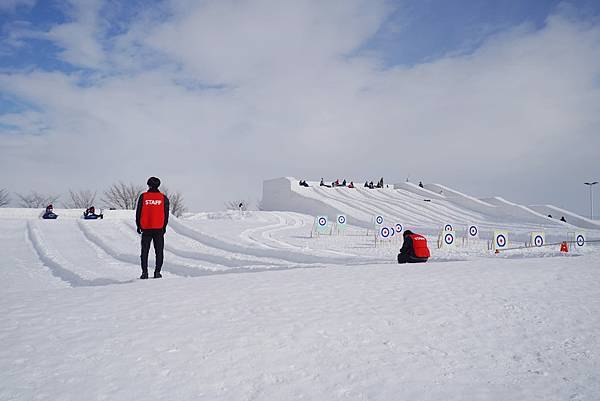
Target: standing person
point(151, 219)
point(414, 249)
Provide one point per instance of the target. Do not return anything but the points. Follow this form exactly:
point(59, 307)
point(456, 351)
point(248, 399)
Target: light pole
point(590, 184)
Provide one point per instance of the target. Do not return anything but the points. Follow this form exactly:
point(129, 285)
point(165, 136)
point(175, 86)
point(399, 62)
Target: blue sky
point(256, 78)
point(415, 31)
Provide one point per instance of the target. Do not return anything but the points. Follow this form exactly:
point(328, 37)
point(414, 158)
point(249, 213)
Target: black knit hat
point(153, 182)
point(407, 232)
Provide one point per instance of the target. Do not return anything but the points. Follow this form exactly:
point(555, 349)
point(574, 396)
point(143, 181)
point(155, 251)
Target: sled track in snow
point(224, 261)
point(178, 269)
point(56, 264)
point(284, 255)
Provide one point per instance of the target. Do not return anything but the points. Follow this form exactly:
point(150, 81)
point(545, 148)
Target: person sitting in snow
point(562, 218)
point(414, 249)
point(371, 186)
point(49, 213)
point(90, 214)
point(344, 183)
point(351, 185)
point(366, 184)
point(322, 184)
point(421, 184)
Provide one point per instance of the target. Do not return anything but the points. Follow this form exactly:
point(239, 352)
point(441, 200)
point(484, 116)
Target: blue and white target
point(449, 239)
point(448, 227)
point(385, 232)
point(580, 240)
point(501, 241)
point(322, 221)
point(399, 228)
point(538, 240)
point(341, 219)
point(379, 219)
point(473, 231)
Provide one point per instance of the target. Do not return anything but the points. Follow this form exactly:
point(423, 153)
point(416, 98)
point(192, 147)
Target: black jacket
point(407, 246)
point(138, 210)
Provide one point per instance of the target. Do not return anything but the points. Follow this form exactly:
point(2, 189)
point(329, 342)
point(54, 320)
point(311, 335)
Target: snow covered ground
point(251, 307)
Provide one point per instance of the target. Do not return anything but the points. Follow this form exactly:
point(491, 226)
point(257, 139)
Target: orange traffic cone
point(564, 247)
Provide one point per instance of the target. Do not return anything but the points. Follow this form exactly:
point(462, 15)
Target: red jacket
point(152, 212)
point(415, 245)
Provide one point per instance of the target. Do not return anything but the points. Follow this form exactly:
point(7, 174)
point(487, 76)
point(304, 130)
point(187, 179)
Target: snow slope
point(424, 209)
point(320, 318)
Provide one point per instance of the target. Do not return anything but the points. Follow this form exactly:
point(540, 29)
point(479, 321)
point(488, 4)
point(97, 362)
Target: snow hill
point(252, 307)
point(424, 209)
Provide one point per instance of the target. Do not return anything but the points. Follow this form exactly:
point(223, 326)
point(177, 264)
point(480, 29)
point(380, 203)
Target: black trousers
point(158, 237)
point(410, 259)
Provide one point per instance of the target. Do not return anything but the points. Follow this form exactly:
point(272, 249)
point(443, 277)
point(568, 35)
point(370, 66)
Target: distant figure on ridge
point(49, 213)
point(562, 218)
point(351, 185)
point(322, 184)
point(303, 183)
point(366, 184)
point(151, 219)
point(421, 184)
point(414, 249)
point(550, 215)
point(344, 183)
point(371, 186)
point(90, 214)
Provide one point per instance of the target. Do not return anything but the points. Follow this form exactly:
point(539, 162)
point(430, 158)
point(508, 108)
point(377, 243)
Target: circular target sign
point(379, 219)
point(322, 221)
point(385, 232)
point(580, 240)
point(473, 231)
point(501, 241)
point(449, 239)
point(448, 227)
point(538, 240)
point(341, 219)
point(398, 228)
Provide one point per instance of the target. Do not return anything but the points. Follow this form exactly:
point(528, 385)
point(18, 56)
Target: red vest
point(153, 211)
point(420, 246)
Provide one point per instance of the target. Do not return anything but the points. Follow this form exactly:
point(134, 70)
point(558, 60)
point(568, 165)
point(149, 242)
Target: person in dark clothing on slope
point(414, 249)
point(49, 213)
point(151, 219)
point(90, 214)
point(562, 218)
point(421, 184)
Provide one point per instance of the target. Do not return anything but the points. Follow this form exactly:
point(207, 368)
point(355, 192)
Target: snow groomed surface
point(327, 318)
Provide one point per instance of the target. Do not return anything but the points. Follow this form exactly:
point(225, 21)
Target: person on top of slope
point(414, 249)
point(151, 219)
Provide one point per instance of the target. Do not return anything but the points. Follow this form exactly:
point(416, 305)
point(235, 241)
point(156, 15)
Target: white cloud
point(12, 5)
point(521, 108)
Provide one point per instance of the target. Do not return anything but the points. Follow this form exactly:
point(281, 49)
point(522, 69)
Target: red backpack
point(420, 246)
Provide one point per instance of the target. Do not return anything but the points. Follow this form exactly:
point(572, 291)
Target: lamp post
point(590, 184)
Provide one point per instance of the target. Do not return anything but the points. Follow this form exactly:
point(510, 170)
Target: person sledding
point(49, 213)
point(90, 214)
point(414, 249)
